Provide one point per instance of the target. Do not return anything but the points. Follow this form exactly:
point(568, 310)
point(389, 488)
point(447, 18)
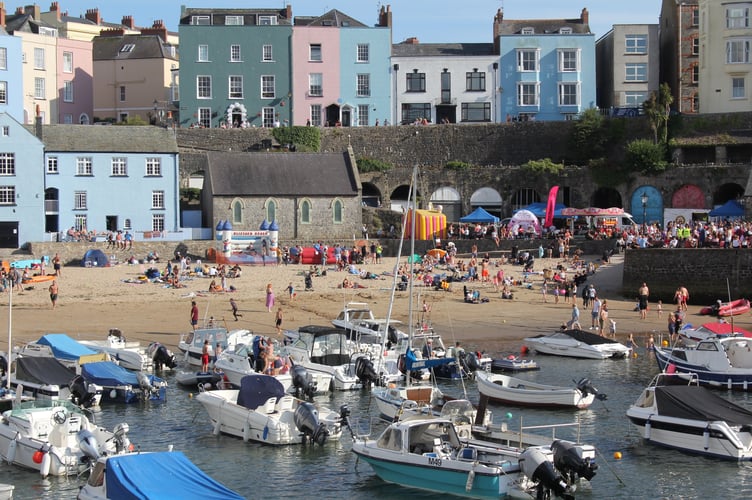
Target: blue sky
point(431, 21)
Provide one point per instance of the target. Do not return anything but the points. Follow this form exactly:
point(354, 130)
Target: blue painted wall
point(12, 74)
point(379, 42)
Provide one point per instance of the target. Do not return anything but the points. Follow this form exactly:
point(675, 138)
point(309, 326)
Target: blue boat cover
point(412, 362)
point(64, 347)
point(108, 374)
point(161, 475)
point(256, 390)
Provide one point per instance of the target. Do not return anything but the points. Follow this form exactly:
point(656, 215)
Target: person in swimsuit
point(53, 293)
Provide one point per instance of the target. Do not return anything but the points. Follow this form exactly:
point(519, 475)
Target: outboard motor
point(586, 387)
point(145, 384)
point(536, 465)
point(162, 357)
point(122, 443)
point(307, 421)
point(303, 382)
point(80, 394)
point(469, 361)
point(365, 371)
point(88, 444)
point(569, 460)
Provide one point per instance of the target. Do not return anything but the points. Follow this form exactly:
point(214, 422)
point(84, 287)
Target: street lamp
point(644, 200)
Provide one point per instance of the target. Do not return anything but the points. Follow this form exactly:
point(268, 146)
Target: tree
point(658, 109)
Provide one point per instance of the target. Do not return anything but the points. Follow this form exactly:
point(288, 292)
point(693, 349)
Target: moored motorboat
point(48, 378)
point(192, 343)
point(206, 380)
point(515, 391)
point(577, 344)
point(675, 412)
point(713, 329)
point(725, 309)
point(130, 355)
point(123, 386)
point(513, 363)
point(59, 345)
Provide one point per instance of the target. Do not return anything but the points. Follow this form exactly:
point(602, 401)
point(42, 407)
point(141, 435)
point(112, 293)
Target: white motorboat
point(362, 326)
point(192, 343)
point(577, 344)
point(674, 411)
point(515, 391)
point(261, 411)
point(48, 378)
point(513, 363)
point(56, 437)
point(130, 355)
point(711, 330)
point(167, 474)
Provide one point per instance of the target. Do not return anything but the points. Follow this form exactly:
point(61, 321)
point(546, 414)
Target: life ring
point(464, 433)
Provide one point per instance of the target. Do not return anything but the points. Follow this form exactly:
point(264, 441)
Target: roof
point(333, 18)
point(284, 174)
point(106, 139)
point(144, 47)
point(281, 14)
point(24, 23)
point(542, 26)
point(406, 49)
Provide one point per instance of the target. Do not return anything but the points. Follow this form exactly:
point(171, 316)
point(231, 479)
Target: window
point(5, 131)
point(565, 31)
point(153, 167)
point(204, 87)
point(695, 73)
point(157, 199)
point(695, 16)
point(416, 82)
point(695, 103)
point(128, 47)
point(305, 212)
point(39, 88)
point(737, 17)
point(475, 81)
point(527, 60)
point(200, 20)
point(127, 225)
point(362, 55)
point(633, 99)
point(119, 166)
point(527, 94)
point(266, 53)
point(314, 52)
point(67, 62)
point(476, 112)
point(636, 72)
point(696, 46)
point(527, 31)
point(267, 20)
point(315, 84)
point(316, 115)
point(157, 222)
point(84, 166)
point(416, 111)
point(446, 87)
point(337, 209)
point(267, 117)
point(235, 53)
point(363, 85)
point(7, 195)
point(203, 53)
point(204, 117)
point(267, 87)
point(3, 92)
point(7, 163)
point(68, 118)
point(79, 200)
point(38, 58)
point(3, 58)
point(737, 51)
point(569, 94)
point(52, 167)
point(68, 91)
point(233, 20)
point(122, 93)
point(636, 44)
point(568, 60)
point(237, 212)
point(363, 115)
point(737, 88)
point(236, 87)
point(271, 210)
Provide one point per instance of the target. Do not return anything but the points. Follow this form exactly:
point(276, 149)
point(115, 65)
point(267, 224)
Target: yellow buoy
point(664, 343)
point(190, 395)
point(617, 455)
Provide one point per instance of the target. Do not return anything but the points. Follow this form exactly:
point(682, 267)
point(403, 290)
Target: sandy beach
point(93, 300)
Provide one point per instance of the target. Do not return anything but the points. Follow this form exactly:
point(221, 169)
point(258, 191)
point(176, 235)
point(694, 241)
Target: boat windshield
point(42, 404)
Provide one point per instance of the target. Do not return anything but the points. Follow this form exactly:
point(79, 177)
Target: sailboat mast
point(10, 334)
point(414, 185)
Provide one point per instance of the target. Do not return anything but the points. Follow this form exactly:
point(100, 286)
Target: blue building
point(547, 67)
point(22, 185)
point(109, 179)
point(11, 76)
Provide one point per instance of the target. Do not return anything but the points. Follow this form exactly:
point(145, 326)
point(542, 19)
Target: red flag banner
point(550, 207)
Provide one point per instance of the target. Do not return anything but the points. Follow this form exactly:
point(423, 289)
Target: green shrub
point(457, 165)
point(366, 164)
point(590, 136)
point(544, 166)
point(645, 156)
point(305, 139)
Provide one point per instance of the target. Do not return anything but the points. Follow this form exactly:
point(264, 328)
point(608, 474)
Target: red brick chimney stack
point(498, 18)
point(112, 32)
point(158, 28)
point(413, 40)
point(93, 16)
point(288, 12)
point(34, 11)
point(55, 7)
point(585, 16)
point(128, 21)
point(385, 17)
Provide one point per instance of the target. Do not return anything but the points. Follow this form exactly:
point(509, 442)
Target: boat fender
point(647, 429)
point(706, 438)
point(246, 432)
point(44, 468)
point(12, 450)
point(470, 480)
point(729, 384)
point(266, 432)
point(217, 427)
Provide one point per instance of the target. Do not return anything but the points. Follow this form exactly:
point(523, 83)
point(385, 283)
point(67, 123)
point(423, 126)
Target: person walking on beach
point(235, 312)
point(278, 321)
point(194, 314)
point(291, 291)
point(575, 321)
point(56, 264)
point(643, 293)
point(269, 297)
point(53, 293)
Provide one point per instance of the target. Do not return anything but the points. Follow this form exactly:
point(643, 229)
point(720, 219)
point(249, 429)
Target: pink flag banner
point(551, 207)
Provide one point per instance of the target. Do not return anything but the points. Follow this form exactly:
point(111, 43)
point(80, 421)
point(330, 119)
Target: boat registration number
point(434, 461)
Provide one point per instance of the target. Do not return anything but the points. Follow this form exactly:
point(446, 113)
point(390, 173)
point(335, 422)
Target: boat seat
point(269, 406)
point(468, 454)
point(285, 403)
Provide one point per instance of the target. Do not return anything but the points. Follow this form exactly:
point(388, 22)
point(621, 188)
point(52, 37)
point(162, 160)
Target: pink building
point(75, 81)
point(316, 74)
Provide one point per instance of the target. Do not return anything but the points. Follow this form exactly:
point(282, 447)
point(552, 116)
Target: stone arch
point(450, 201)
point(83, 119)
point(400, 198)
point(726, 192)
point(524, 197)
point(688, 196)
point(488, 198)
point(237, 207)
point(606, 197)
point(371, 196)
point(236, 114)
point(653, 210)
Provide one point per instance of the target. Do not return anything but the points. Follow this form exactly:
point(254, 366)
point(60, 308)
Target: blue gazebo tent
point(539, 209)
point(480, 215)
point(731, 208)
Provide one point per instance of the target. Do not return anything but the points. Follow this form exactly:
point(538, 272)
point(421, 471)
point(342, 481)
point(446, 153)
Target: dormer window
point(233, 20)
point(528, 31)
point(200, 20)
point(128, 47)
point(267, 20)
point(565, 31)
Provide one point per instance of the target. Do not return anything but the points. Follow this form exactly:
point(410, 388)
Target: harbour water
point(331, 471)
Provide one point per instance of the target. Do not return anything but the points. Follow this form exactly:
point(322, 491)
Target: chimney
point(93, 16)
point(128, 21)
point(38, 124)
point(288, 12)
point(19, 11)
point(498, 18)
point(385, 17)
point(412, 40)
point(585, 16)
point(2, 14)
point(55, 7)
point(112, 32)
point(158, 28)
point(34, 11)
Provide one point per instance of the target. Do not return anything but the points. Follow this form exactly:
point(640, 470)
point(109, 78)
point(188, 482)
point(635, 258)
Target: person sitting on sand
point(346, 283)
point(213, 287)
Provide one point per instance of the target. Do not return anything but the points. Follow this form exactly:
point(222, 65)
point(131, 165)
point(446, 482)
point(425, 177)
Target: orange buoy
point(524, 349)
point(617, 455)
point(37, 456)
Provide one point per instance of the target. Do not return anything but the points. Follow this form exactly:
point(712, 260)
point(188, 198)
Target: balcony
point(51, 207)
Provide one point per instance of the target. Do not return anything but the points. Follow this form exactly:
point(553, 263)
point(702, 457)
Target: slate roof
point(107, 48)
point(284, 174)
point(24, 23)
point(543, 26)
point(332, 18)
point(442, 49)
point(185, 16)
point(107, 139)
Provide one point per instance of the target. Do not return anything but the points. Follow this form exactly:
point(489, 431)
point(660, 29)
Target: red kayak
point(733, 308)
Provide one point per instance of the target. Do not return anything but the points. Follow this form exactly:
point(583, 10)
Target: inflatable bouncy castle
point(247, 247)
point(429, 225)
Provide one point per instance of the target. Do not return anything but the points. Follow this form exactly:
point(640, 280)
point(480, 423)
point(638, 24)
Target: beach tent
point(429, 225)
point(95, 258)
point(480, 215)
point(539, 209)
point(525, 219)
point(731, 208)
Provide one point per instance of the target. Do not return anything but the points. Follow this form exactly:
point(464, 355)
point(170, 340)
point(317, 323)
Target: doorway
point(111, 221)
point(332, 115)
